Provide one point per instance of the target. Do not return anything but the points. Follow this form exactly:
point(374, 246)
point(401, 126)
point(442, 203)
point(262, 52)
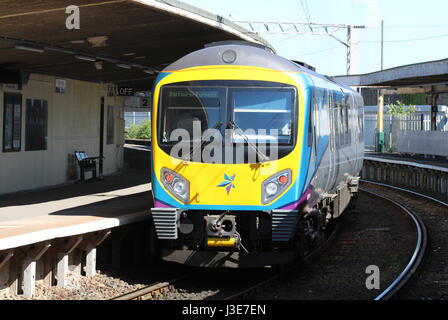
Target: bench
point(86, 164)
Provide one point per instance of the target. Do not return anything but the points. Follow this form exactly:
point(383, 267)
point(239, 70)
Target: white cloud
point(372, 11)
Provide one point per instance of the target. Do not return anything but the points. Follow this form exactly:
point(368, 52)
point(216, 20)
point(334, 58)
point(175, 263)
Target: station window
point(36, 124)
point(12, 122)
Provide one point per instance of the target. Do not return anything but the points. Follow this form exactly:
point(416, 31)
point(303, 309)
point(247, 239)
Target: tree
point(400, 109)
point(142, 131)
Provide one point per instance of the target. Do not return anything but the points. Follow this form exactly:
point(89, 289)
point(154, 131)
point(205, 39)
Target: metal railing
point(394, 123)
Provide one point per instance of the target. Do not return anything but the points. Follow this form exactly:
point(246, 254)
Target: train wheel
point(353, 202)
point(310, 234)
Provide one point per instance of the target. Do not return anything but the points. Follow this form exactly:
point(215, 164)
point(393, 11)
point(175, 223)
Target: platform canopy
point(124, 42)
point(425, 77)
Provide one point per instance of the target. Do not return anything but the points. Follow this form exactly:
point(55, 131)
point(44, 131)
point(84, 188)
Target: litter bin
point(380, 142)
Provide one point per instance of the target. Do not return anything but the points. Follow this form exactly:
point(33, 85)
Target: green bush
point(400, 109)
point(142, 131)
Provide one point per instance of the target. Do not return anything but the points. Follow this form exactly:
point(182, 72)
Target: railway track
point(431, 279)
point(150, 292)
point(403, 277)
point(417, 256)
point(155, 289)
point(285, 271)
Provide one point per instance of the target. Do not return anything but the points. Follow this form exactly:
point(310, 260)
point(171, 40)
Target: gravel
point(107, 285)
point(99, 287)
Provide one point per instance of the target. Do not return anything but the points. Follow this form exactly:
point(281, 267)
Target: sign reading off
point(124, 91)
point(120, 91)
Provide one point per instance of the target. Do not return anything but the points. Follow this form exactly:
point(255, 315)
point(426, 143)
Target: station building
point(43, 125)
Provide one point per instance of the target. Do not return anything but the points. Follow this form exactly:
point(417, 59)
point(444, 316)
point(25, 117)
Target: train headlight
point(177, 185)
point(273, 186)
point(229, 56)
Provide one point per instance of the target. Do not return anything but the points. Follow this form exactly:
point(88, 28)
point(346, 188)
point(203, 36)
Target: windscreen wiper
point(261, 155)
point(204, 140)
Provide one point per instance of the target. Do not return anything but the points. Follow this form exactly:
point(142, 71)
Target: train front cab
point(228, 211)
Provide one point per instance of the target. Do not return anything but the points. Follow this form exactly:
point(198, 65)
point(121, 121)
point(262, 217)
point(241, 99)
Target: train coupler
point(221, 231)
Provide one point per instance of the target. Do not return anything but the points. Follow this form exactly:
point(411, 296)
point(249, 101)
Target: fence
point(136, 118)
point(393, 124)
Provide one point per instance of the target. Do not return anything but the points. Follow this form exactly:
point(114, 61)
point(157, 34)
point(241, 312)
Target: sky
point(414, 31)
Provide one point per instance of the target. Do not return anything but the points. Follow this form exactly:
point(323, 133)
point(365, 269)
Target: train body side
point(338, 139)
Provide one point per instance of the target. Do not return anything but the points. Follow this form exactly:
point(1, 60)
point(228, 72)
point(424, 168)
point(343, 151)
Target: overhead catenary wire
point(405, 40)
point(306, 10)
point(315, 52)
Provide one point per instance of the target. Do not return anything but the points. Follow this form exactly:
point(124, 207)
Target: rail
point(419, 251)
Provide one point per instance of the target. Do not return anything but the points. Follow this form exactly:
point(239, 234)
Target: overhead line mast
point(321, 29)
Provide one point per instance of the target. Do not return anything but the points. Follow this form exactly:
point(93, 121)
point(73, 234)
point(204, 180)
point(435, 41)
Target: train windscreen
point(239, 112)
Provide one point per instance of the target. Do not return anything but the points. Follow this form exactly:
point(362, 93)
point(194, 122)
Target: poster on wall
point(17, 127)
point(110, 125)
point(7, 144)
point(60, 86)
point(12, 122)
point(36, 124)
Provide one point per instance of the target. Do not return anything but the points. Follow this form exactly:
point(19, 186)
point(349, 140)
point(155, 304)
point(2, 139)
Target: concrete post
point(90, 261)
point(29, 278)
point(29, 273)
point(92, 243)
point(4, 272)
point(66, 249)
point(62, 268)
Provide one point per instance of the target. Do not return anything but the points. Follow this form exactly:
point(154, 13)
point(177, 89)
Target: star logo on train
point(227, 183)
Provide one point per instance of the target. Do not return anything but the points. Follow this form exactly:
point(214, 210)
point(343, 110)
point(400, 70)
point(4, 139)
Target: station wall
point(73, 123)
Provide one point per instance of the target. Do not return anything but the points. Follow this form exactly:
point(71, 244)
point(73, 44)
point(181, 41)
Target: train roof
point(245, 54)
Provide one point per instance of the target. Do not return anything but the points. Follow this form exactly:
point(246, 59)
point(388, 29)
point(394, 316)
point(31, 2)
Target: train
point(253, 156)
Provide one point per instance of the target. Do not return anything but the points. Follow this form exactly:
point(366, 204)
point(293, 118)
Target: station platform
point(75, 208)
point(427, 175)
point(420, 161)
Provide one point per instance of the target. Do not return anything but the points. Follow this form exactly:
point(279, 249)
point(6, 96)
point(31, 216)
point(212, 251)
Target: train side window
point(361, 119)
point(339, 124)
point(335, 122)
point(324, 123)
point(310, 120)
point(318, 100)
point(355, 118)
point(342, 119)
point(343, 108)
point(331, 118)
point(347, 107)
